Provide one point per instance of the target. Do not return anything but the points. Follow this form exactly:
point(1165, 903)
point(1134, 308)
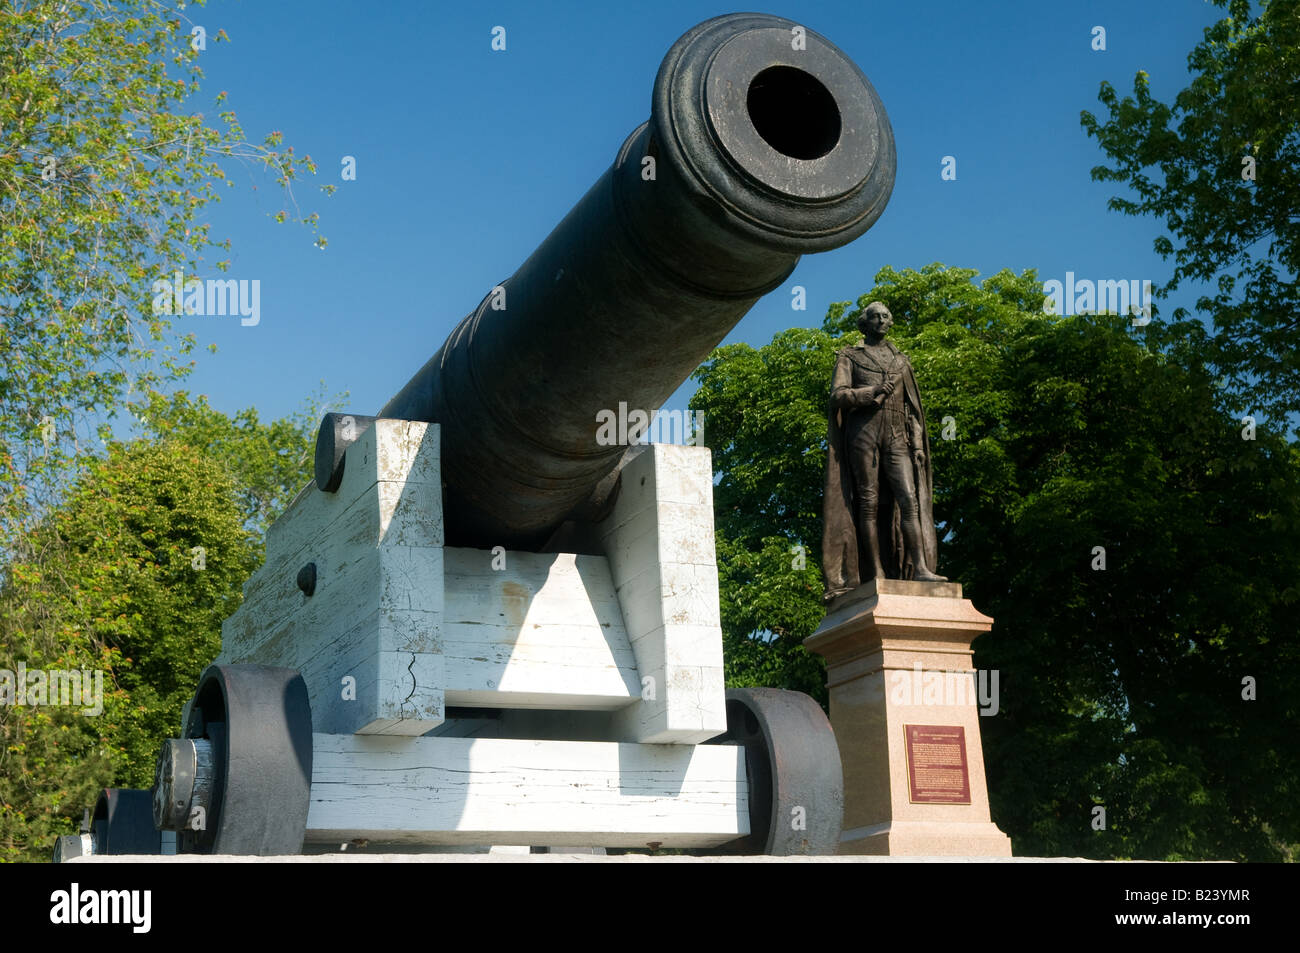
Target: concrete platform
point(363, 858)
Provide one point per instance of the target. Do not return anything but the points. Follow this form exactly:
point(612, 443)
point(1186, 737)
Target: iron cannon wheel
point(792, 765)
point(257, 722)
point(121, 823)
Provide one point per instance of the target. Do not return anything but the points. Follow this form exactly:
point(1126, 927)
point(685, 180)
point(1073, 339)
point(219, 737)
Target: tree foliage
point(766, 413)
point(1120, 687)
point(126, 562)
point(1221, 167)
point(267, 463)
point(106, 171)
point(132, 575)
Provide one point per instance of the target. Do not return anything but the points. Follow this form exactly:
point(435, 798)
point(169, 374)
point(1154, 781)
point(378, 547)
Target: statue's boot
point(871, 534)
point(912, 539)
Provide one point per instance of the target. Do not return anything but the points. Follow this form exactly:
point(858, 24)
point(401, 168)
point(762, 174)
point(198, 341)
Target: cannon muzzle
point(764, 142)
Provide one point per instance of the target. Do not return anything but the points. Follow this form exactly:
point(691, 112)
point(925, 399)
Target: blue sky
point(466, 158)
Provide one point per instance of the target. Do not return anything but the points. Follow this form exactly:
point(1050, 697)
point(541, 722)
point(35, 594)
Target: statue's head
point(875, 319)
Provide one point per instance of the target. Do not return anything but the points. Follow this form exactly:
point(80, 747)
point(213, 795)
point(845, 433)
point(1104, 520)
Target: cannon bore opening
point(794, 113)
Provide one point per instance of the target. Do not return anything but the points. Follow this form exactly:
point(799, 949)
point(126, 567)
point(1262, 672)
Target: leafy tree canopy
point(106, 172)
point(268, 463)
point(1221, 167)
point(132, 575)
point(1120, 687)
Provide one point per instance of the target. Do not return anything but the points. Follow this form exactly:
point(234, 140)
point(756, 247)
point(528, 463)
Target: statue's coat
point(842, 552)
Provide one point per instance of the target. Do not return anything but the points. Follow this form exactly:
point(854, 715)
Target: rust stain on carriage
point(514, 600)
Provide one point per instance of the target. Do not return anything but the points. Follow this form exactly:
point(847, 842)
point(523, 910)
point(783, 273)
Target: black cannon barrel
point(764, 142)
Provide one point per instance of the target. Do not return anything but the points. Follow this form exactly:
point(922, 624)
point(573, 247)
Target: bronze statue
point(879, 493)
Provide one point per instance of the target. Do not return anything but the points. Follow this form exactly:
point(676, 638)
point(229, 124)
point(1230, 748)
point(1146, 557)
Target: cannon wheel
point(122, 823)
point(70, 846)
point(258, 720)
point(792, 764)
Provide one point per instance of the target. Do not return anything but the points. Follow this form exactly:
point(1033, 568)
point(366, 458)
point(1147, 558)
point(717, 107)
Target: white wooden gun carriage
point(377, 686)
point(470, 697)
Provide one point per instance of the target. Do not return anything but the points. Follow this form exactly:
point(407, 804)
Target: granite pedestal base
point(905, 704)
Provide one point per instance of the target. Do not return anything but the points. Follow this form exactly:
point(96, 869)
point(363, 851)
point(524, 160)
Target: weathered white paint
point(659, 541)
point(376, 612)
point(419, 626)
point(544, 631)
point(545, 793)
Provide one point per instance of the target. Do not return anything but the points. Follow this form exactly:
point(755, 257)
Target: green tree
point(108, 167)
point(766, 413)
point(106, 171)
point(132, 574)
point(1120, 687)
point(1221, 167)
point(268, 463)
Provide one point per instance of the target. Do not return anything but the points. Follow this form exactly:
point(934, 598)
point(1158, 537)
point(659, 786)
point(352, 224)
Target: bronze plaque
point(936, 764)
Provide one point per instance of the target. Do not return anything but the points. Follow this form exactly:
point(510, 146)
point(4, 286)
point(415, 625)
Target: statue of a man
point(878, 503)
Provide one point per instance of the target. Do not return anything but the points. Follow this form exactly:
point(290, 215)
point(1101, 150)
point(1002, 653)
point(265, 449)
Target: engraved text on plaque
point(936, 764)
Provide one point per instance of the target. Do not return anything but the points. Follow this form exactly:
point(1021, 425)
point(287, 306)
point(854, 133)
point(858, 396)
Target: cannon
point(754, 154)
point(482, 623)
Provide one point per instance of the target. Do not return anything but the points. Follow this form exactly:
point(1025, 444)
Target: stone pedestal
point(905, 709)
